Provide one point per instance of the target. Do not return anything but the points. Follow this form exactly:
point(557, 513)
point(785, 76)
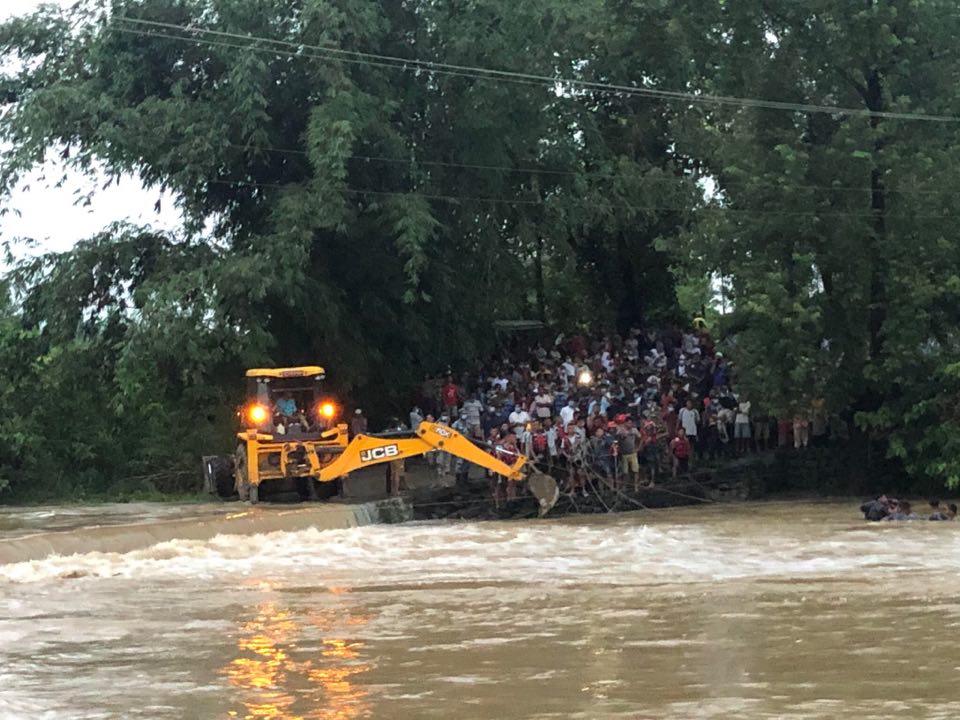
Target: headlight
point(328, 410)
point(257, 414)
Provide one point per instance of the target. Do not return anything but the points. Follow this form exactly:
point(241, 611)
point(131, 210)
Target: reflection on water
point(342, 699)
point(292, 667)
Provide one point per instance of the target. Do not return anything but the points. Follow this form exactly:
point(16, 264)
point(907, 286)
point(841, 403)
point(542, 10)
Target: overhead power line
point(532, 170)
point(580, 201)
point(481, 73)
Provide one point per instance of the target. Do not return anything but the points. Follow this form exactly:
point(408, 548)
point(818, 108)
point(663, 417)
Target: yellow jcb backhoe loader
point(292, 444)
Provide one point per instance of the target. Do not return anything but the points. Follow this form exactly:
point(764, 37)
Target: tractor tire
point(291, 498)
point(218, 476)
point(240, 475)
point(254, 494)
point(328, 490)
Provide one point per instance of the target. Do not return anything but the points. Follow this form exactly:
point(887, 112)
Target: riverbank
point(753, 477)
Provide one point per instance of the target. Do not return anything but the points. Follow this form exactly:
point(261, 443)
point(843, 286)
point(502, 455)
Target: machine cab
point(288, 403)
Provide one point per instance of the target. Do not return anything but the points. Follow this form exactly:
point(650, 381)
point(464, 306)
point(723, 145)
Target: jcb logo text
point(380, 453)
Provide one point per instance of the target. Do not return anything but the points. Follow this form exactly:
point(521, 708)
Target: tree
point(372, 214)
point(834, 227)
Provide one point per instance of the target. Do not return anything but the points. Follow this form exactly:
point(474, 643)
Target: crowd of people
point(885, 508)
point(624, 409)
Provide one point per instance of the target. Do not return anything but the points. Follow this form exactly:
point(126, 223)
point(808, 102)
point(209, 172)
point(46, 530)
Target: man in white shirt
point(416, 417)
point(525, 441)
point(689, 418)
point(567, 412)
point(553, 446)
point(569, 372)
point(543, 404)
point(681, 371)
point(499, 383)
point(606, 359)
point(471, 414)
point(518, 420)
point(741, 425)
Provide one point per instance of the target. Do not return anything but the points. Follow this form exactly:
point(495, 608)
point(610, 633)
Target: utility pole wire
point(481, 73)
point(575, 201)
point(672, 180)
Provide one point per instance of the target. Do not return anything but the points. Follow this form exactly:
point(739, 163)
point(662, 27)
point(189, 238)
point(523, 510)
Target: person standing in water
point(938, 512)
point(876, 510)
point(903, 511)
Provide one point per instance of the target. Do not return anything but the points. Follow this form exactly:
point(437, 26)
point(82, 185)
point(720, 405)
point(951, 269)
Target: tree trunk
point(878, 208)
point(541, 300)
point(870, 400)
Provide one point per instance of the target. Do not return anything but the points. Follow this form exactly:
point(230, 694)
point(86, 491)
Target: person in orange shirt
point(680, 448)
point(451, 396)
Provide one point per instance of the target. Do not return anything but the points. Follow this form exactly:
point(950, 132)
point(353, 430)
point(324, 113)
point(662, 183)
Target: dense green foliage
point(380, 218)
point(838, 238)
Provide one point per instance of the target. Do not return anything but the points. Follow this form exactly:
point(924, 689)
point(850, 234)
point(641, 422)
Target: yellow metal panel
point(366, 451)
point(305, 371)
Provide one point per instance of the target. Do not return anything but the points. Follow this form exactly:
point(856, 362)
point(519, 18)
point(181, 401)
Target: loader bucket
point(544, 489)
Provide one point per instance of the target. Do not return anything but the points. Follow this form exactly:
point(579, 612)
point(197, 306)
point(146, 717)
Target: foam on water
point(626, 553)
point(107, 531)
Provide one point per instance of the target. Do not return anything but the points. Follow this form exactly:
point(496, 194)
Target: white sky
point(48, 214)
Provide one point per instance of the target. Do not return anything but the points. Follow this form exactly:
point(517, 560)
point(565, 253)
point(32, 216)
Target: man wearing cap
point(720, 374)
point(358, 423)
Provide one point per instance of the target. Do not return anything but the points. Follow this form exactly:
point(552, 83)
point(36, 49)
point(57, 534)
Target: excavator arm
point(367, 450)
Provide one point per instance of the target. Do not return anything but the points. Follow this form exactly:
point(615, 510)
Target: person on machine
point(287, 413)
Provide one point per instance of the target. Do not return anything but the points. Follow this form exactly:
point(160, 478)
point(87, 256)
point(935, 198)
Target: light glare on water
point(736, 611)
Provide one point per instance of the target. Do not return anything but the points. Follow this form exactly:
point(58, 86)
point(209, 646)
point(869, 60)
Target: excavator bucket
point(544, 489)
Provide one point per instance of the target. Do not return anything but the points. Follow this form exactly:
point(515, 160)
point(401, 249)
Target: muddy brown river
point(774, 610)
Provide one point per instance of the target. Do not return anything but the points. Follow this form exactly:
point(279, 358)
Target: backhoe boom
point(367, 450)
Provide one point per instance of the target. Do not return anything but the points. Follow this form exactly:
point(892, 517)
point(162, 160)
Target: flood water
point(781, 610)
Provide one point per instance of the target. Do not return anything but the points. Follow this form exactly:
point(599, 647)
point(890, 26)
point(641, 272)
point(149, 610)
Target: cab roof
point(293, 372)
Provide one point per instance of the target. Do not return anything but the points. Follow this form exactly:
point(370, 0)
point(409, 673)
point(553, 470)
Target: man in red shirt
point(577, 345)
point(538, 443)
point(650, 435)
point(680, 449)
point(670, 420)
point(450, 395)
point(508, 451)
